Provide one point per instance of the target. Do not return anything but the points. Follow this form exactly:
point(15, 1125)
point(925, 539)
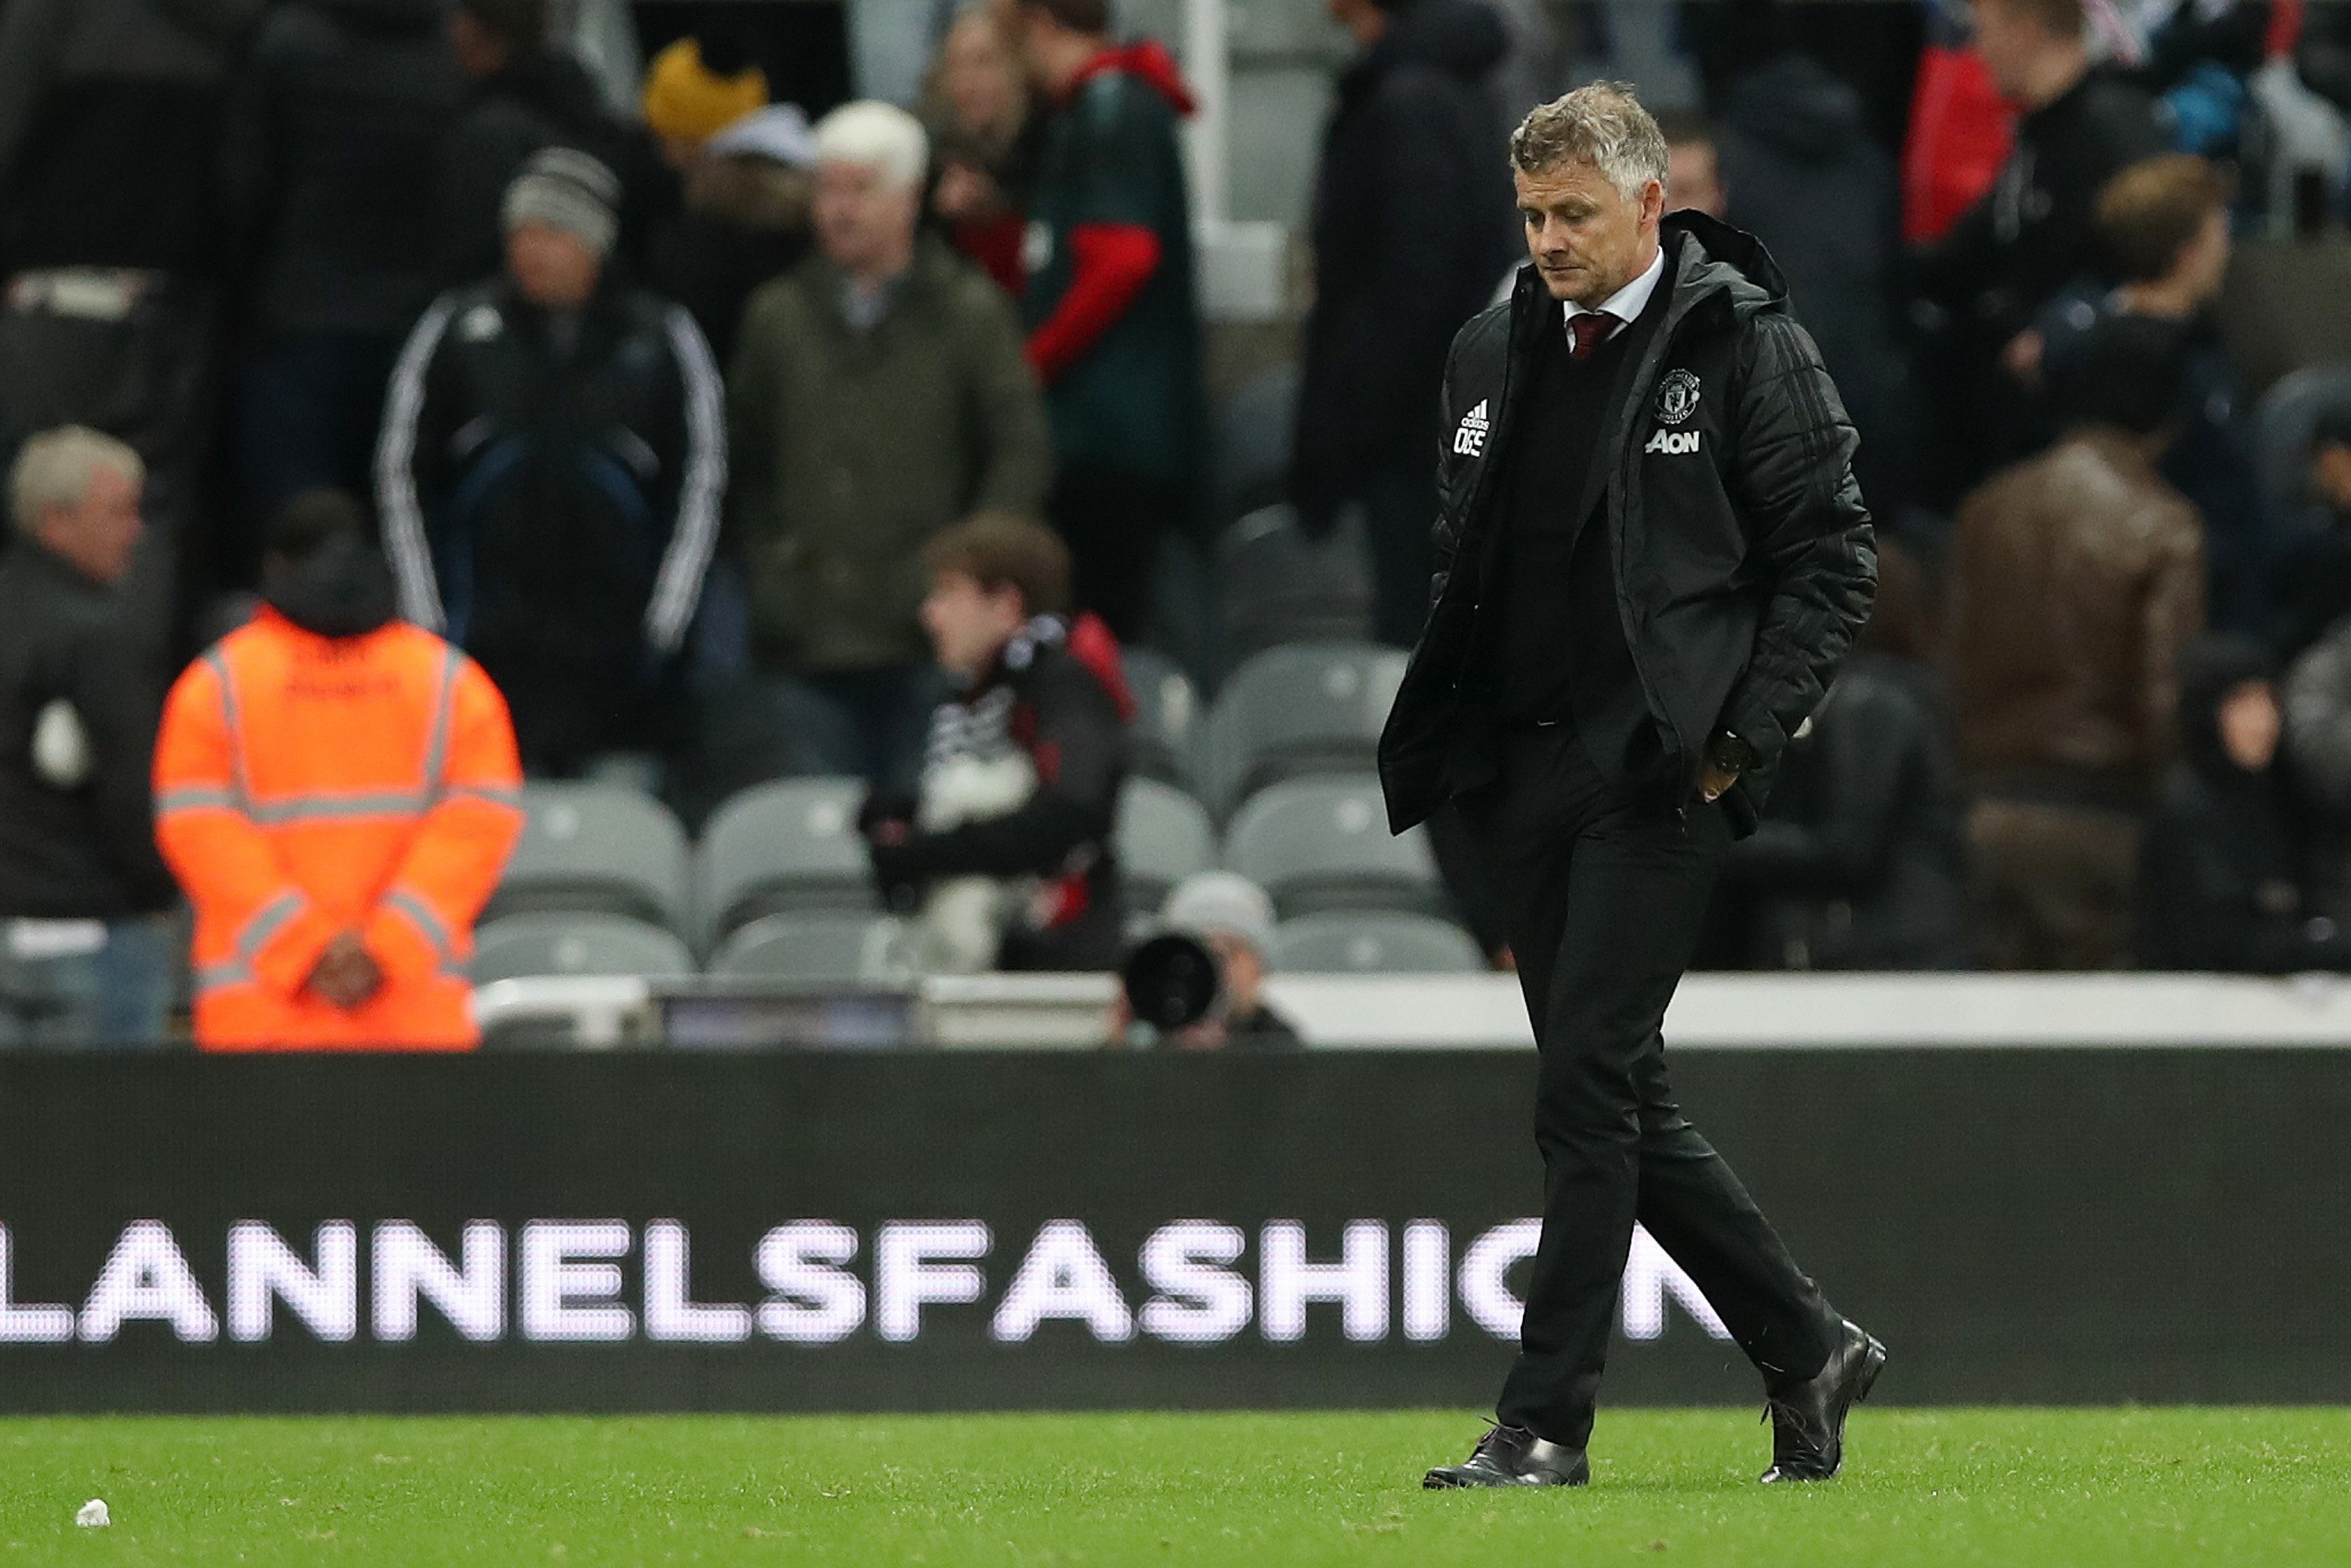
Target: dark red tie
point(1587, 331)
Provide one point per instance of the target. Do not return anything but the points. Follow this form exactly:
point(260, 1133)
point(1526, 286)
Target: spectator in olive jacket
point(878, 395)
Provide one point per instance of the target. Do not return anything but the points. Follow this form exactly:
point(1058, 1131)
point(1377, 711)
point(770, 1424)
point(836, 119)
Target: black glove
point(887, 822)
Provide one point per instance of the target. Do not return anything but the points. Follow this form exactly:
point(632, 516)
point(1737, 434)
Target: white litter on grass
point(92, 1515)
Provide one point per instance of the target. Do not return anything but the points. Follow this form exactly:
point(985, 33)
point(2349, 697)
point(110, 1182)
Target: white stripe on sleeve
point(395, 474)
point(678, 588)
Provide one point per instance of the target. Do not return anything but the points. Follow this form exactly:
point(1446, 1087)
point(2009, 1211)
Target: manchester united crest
point(1676, 398)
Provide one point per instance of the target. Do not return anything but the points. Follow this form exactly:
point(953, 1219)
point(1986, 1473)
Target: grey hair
point(53, 471)
point(1603, 125)
point(878, 136)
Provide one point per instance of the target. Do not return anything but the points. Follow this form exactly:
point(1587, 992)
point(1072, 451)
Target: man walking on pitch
point(1651, 554)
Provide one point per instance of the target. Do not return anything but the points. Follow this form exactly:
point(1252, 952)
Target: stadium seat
point(1277, 586)
point(1307, 709)
point(1318, 845)
point(526, 944)
point(1374, 944)
point(1167, 717)
point(1251, 465)
point(788, 845)
point(1163, 836)
point(816, 949)
point(590, 848)
point(2287, 414)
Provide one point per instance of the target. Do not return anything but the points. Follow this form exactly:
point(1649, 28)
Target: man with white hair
point(1651, 556)
point(85, 944)
point(877, 396)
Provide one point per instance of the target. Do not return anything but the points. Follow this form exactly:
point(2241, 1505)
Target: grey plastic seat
point(1169, 716)
point(1316, 845)
point(1253, 438)
point(1163, 836)
point(589, 848)
point(791, 844)
point(815, 948)
point(1374, 944)
point(1310, 709)
point(1277, 586)
point(527, 944)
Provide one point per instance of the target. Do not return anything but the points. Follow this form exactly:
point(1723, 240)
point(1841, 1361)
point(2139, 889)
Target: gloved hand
point(887, 822)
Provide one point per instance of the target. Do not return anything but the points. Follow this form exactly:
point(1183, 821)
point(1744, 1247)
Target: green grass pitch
point(2014, 1488)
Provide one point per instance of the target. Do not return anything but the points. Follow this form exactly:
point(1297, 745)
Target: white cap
point(779, 133)
point(1221, 904)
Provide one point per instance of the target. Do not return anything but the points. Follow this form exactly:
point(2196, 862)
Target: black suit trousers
point(1602, 900)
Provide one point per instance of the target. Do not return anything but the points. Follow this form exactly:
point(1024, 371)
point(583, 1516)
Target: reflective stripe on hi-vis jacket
point(307, 786)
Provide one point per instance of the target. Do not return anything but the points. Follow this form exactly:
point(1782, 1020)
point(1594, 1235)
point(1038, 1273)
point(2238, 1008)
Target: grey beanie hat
point(1221, 904)
point(564, 188)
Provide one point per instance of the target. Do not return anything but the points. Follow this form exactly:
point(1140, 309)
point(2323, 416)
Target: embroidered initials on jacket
point(1469, 440)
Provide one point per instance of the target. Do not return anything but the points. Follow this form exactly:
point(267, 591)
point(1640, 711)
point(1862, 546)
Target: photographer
point(1230, 917)
point(1007, 852)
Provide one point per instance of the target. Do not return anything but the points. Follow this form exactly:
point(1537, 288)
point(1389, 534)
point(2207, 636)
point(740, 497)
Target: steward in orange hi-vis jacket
point(337, 793)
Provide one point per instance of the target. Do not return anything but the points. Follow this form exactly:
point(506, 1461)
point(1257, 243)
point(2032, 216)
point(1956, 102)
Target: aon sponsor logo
point(1673, 442)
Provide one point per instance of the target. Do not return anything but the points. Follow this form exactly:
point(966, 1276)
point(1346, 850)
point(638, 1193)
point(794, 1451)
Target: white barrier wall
point(1711, 1012)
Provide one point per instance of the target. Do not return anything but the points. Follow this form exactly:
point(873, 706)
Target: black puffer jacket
point(1413, 224)
point(1743, 553)
point(330, 159)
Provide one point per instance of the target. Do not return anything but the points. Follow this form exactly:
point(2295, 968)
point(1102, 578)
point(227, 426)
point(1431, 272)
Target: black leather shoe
point(1808, 1417)
point(1513, 1456)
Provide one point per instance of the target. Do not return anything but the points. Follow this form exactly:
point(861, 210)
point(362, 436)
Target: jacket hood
point(2207, 675)
point(342, 589)
point(1463, 38)
point(1793, 104)
point(1148, 62)
point(1709, 255)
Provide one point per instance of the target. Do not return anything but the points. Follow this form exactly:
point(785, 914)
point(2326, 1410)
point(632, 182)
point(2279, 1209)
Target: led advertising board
point(894, 1232)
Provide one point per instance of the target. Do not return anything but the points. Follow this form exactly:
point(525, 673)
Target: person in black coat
point(329, 167)
point(1411, 227)
point(1858, 861)
point(87, 955)
point(1652, 557)
point(553, 453)
point(2222, 874)
point(1981, 285)
point(528, 93)
point(1805, 177)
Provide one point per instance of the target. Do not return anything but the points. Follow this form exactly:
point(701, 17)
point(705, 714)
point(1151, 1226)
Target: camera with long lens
point(1173, 981)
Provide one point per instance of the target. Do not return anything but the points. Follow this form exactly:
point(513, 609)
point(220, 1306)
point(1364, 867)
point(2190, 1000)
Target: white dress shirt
point(1627, 303)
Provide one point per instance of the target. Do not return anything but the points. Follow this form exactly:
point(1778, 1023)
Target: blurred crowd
point(656, 401)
